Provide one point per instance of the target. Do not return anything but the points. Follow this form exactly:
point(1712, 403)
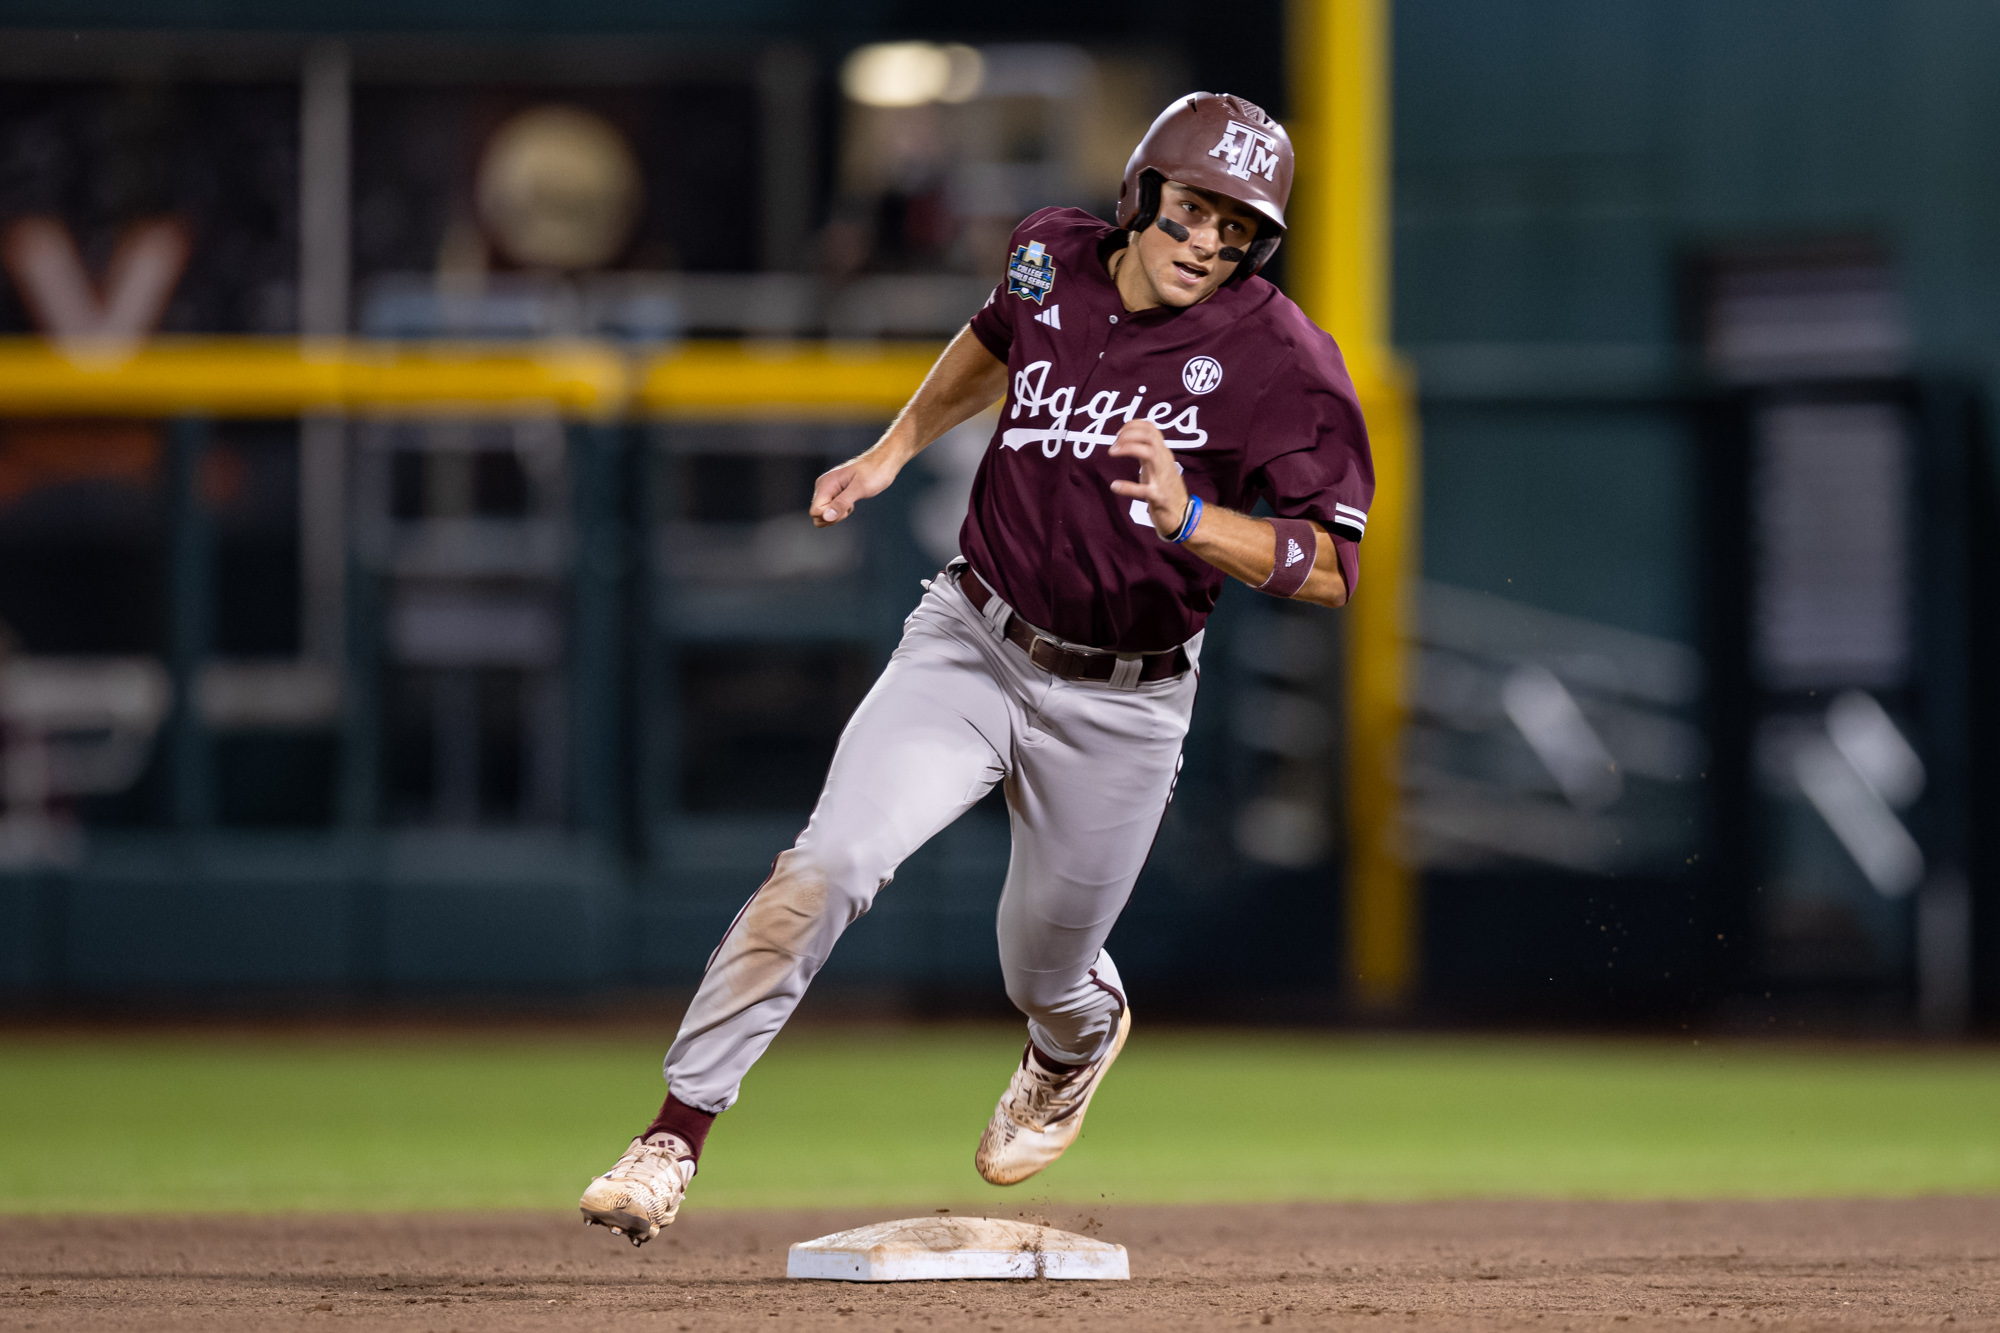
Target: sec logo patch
point(1201, 374)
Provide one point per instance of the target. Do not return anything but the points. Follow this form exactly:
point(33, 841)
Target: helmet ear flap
point(1150, 182)
point(1259, 255)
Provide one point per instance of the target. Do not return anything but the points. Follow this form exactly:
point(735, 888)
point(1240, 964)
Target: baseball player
point(1154, 390)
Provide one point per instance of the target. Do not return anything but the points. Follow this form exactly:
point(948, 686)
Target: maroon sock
point(683, 1122)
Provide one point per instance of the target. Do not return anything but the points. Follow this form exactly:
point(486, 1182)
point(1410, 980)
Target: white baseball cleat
point(1040, 1114)
point(643, 1192)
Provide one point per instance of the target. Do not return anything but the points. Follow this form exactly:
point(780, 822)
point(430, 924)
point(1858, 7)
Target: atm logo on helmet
point(1249, 152)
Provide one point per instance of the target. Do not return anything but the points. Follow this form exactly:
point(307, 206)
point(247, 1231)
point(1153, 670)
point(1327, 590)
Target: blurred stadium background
point(407, 413)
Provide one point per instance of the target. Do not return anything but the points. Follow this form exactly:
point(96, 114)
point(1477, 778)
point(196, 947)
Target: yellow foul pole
point(1338, 260)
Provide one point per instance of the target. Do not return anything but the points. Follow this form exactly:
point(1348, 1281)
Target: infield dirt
point(1547, 1266)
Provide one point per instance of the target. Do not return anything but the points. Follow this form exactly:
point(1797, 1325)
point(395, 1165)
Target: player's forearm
point(1245, 548)
point(1240, 546)
point(965, 380)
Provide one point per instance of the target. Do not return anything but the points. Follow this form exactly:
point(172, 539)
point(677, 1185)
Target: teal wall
point(1550, 157)
point(1554, 161)
point(1586, 512)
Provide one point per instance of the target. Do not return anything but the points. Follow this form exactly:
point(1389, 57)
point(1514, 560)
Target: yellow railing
point(819, 380)
point(252, 377)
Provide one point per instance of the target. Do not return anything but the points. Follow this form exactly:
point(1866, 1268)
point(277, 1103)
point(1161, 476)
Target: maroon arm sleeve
point(1292, 563)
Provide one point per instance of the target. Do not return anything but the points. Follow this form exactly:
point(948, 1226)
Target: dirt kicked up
point(1617, 1267)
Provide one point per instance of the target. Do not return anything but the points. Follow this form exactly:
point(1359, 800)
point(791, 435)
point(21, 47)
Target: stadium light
point(912, 74)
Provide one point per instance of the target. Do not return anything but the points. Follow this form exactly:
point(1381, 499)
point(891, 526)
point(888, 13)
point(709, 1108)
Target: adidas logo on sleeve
point(1051, 317)
point(1293, 552)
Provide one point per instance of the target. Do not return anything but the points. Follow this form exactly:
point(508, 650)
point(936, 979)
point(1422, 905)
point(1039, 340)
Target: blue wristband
point(1188, 523)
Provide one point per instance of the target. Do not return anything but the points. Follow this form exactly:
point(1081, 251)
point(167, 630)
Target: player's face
point(1183, 273)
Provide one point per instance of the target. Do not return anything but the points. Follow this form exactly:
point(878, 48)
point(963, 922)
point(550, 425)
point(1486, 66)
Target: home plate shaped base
point(921, 1249)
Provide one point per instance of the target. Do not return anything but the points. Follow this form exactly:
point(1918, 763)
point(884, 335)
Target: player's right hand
point(839, 489)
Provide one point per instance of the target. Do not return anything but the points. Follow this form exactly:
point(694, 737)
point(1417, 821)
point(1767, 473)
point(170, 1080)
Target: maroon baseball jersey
point(1252, 397)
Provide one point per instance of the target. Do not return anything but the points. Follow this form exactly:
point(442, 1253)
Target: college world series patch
point(1031, 273)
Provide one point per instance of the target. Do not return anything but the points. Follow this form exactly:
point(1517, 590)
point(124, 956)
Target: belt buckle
point(1055, 654)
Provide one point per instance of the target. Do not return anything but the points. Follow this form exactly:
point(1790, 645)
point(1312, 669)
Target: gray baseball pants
point(1088, 768)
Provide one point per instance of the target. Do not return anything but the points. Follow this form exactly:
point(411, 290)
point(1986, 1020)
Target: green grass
point(873, 1116)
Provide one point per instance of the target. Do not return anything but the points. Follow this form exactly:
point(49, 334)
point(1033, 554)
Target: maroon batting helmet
point(1216, 142)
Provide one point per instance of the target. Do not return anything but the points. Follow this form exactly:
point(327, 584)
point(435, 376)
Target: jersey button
point(1114, 319)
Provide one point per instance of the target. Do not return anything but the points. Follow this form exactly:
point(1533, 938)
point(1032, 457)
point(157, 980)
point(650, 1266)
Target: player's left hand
point(839, 489)
point(1159, 484)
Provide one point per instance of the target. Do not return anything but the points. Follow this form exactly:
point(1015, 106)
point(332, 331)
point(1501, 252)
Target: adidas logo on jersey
point(1293, 552)
point(1051, 317)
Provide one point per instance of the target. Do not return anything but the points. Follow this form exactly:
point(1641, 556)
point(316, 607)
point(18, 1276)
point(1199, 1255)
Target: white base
point(919, 1249)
